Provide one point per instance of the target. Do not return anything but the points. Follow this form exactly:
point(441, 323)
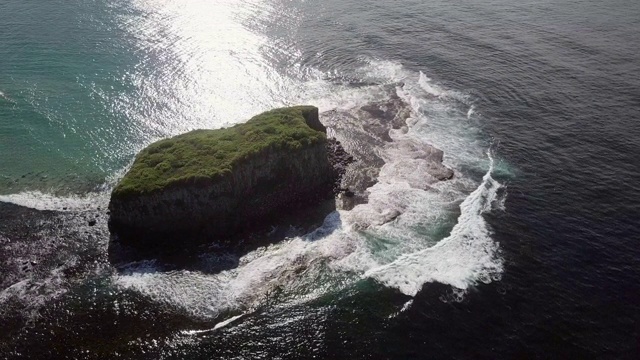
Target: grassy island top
point(200, 156)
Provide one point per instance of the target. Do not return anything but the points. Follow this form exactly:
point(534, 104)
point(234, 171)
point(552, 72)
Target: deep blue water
point(529, 252)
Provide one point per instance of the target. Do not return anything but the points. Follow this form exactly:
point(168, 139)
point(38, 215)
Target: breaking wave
point(463, 258)
point(43, 201)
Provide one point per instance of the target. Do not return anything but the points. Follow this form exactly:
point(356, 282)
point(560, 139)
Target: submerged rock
point(215, 183)
point(375, 137)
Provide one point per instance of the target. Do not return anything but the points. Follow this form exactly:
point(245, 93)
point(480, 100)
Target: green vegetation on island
point(201, 156)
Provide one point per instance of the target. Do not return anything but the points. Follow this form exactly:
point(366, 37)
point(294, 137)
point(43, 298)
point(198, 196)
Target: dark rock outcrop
point(276, 178)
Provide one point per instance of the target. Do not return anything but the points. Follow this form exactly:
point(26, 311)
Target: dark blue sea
point(531, 250)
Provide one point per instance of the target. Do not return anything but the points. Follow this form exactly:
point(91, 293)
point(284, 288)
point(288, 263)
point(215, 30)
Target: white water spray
point(465, 257)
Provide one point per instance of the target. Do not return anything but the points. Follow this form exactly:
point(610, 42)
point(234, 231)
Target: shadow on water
point(201, 252)
point(42, 252)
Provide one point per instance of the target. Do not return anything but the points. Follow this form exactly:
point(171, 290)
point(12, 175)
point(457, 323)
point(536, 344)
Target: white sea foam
point(43, 201)
point(433, 89)
point(465, 257)
point(227, 322)
point(428, 86)
point(471, 111)
point(219, 325)
point(257, 276)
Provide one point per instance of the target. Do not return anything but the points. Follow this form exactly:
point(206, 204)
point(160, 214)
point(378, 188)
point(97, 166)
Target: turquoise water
point(85, 85)
point(63, 120)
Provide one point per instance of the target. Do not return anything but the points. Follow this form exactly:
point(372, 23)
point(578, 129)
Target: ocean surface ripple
point(529, 251)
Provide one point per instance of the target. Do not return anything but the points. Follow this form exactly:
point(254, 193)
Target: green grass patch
point(203, 156)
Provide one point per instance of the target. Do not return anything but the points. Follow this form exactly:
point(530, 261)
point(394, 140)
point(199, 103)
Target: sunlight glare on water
point(202, 68)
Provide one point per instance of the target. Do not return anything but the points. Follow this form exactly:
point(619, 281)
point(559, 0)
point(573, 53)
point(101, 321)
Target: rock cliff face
point(275, 177)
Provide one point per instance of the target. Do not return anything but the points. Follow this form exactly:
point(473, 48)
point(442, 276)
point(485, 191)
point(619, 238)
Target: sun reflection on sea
point(200, 68)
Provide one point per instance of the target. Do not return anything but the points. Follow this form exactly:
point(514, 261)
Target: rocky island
point(219, 182)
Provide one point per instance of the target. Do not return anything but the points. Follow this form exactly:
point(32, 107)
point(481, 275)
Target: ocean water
point(530, 251)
